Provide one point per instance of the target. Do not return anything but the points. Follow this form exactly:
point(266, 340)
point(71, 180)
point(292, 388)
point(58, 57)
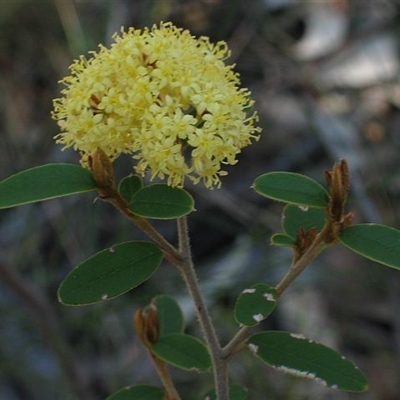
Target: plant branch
point(103, 173)
point(321, 242)
point(305, 252)
point(236, 343)
point(190, 277)
point(170, 252)
point(165, 377)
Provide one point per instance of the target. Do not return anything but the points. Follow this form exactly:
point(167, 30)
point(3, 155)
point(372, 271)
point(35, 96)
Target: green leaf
point(376, 242)
point(169, 315)
point(161, 201)
point(139, 392)
point(296, 355)
point(44, 183)
point(236, 392)
point(129, 186)
point(110, 273)
point(280, 239)
point(295, 217)
point(183, 351)
point(291, 188)
point(255, 304)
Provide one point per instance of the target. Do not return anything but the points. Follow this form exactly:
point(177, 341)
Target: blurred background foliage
point(325, 77)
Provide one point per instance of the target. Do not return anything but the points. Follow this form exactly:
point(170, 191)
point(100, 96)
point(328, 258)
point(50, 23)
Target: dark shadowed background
point(325, 77)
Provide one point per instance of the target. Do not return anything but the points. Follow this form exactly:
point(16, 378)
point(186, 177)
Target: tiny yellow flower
point(163, 96)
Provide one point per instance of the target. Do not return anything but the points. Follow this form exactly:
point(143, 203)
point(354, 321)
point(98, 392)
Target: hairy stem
point(182, 259)
point(220, 367)
point(237, 342)
point(321, 242)
point(165, 377)
point(170, 252)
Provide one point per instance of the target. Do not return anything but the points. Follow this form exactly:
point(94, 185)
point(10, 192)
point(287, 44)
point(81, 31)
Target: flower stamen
point(163, 96)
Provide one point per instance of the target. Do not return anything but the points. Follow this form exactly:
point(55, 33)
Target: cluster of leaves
point(312, 215)
point(307, 204)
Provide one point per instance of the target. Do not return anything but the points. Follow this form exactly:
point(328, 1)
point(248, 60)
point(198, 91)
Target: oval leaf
point(376, 242)
point(255, 304)
point(295, 217)
point(296, 355)
point(161, 201)
point(291, 188)
point(169, 314)
point(183, 351)
point(280, 239)
point(129, 186)
point(139, 392)
point(236, 392)
point(44, 183)
point(110, 273)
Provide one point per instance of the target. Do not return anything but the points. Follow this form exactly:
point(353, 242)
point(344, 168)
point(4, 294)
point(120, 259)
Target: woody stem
point(189, 275)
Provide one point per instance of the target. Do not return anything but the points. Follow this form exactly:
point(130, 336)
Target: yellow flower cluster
point(163, 96)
